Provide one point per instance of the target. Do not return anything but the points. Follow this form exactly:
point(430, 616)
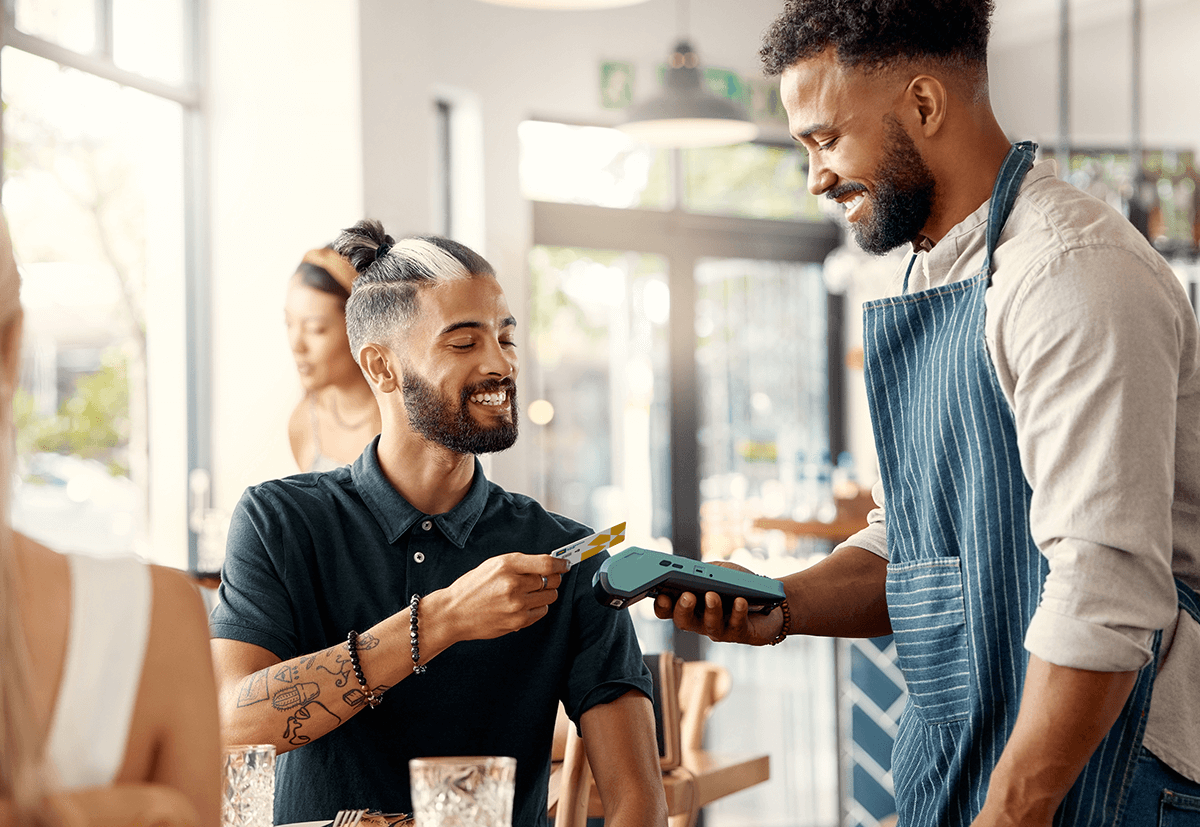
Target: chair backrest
point(574, 783)
point(684, 695)
point(667, 671)
point(702, 686)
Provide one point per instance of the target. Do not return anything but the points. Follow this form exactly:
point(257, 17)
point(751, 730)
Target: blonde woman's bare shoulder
point(300, 434)
point(177, 601)
point(175, 720)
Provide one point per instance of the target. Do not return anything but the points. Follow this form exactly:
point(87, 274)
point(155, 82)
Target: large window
point(681, 333)
point(599, 341)
point(96, 124)
point(682, 348)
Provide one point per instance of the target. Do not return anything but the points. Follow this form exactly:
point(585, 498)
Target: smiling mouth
point(853, 205)
point(491, 399)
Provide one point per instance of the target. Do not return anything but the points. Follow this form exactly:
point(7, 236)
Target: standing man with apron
point(1035, 397)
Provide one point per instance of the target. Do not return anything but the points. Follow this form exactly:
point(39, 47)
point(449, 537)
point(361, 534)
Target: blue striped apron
point(964, 575)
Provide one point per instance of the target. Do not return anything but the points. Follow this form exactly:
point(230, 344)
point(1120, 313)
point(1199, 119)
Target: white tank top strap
point(111, 602)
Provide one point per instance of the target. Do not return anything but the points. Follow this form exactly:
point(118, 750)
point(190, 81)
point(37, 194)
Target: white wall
point(1024, 74)
point(285, 155)
point(322, 113)
point(518, 63)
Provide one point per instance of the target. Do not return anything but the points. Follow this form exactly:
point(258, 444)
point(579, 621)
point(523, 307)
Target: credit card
point(591, 545)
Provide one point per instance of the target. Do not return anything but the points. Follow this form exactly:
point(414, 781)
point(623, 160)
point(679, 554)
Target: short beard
point(436, 418)
point(903, 197)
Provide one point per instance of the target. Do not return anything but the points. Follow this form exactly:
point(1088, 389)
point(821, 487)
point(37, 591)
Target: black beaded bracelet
point(418, 667)
point(373, 698)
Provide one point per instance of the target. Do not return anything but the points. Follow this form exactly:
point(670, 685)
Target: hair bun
point(360, 244)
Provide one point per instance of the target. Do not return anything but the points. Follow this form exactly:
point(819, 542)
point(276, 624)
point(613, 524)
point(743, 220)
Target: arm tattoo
point(313, 714)
point(355, 698)
point(253, 689)
point(341, 659)
point(294, 689)
point(295, 695)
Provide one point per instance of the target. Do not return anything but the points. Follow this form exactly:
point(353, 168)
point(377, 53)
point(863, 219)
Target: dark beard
point(903, 197)
point(436, 418)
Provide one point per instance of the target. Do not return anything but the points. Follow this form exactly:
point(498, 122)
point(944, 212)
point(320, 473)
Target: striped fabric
point(964, 576)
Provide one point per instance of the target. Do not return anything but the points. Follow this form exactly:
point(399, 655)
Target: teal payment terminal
point(635, 573)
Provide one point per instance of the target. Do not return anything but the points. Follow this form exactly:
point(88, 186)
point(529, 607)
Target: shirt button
point(419, 557)
point(428, 524)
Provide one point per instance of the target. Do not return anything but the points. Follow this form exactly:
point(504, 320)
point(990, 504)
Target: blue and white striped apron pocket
point(925, 602)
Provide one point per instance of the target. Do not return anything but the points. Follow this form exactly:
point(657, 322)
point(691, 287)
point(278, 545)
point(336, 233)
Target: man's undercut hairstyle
point(876, 35)
point(391, 273)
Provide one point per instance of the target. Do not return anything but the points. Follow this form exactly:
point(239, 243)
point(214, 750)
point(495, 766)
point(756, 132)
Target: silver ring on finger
point(545, 582)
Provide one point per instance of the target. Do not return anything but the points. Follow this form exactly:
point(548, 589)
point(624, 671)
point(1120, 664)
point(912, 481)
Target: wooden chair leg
point(576, 787)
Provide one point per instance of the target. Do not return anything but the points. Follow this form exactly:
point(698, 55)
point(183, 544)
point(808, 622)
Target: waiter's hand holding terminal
point(709, 617)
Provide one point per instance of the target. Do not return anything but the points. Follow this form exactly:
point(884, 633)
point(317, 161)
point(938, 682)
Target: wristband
point(786, 627)
point(418, 667)
point(373, 697)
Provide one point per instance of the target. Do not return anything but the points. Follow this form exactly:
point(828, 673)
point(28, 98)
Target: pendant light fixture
point(564, 4)
point(685, 113)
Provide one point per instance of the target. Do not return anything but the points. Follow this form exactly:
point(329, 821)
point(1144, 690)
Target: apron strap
point(908, 272)
point(1004, 194)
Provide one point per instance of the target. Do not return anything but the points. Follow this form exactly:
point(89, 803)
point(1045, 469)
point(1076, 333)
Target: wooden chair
point(574, 782)
point(701, 686)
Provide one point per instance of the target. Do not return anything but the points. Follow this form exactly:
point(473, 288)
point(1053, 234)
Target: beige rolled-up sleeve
point(1088, 352)
point(873, 538)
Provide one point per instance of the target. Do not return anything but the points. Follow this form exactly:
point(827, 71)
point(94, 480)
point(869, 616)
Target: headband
point(335, 265)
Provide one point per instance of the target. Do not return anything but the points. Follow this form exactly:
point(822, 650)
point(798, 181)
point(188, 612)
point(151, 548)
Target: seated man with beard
point(408, 588)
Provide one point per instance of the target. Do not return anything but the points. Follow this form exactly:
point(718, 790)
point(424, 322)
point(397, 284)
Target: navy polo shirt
point(315, 555)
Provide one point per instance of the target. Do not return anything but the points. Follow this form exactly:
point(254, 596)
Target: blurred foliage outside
point(749, 180)
point(92, 423)
point(572, 292)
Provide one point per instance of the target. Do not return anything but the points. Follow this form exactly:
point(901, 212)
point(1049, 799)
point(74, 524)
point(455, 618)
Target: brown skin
point(171, 771)
point(462, 336)
point(838, 115)
point(332, 381)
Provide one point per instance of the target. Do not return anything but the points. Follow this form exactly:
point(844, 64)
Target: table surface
point(702, 774)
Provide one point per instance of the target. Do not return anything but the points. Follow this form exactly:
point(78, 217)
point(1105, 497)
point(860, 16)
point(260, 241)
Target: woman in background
point(108, 711)
point(338, 415)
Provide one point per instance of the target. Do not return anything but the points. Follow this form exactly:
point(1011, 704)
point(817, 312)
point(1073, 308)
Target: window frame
point(196, 232)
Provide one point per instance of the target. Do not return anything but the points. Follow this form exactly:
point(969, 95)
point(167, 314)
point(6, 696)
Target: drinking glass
point(248, 794)
point(475, 791)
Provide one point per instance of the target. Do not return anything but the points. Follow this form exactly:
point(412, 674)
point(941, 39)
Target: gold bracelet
point(787, 624)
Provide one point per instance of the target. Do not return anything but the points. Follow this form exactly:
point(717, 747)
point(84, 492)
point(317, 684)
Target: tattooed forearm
point(314, 718)
point(295, 695)
point(299, 700)
point(356, 697)
point(340, 666)
point(253, 690)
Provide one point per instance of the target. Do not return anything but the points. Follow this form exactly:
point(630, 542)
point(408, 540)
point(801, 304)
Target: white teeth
point(855, 201)
point(490, 398)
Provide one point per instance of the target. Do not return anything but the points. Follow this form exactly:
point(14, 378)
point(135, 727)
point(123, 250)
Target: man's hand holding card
point(591, 545)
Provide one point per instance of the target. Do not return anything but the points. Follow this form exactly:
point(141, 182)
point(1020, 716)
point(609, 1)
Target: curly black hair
point(876, 34)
